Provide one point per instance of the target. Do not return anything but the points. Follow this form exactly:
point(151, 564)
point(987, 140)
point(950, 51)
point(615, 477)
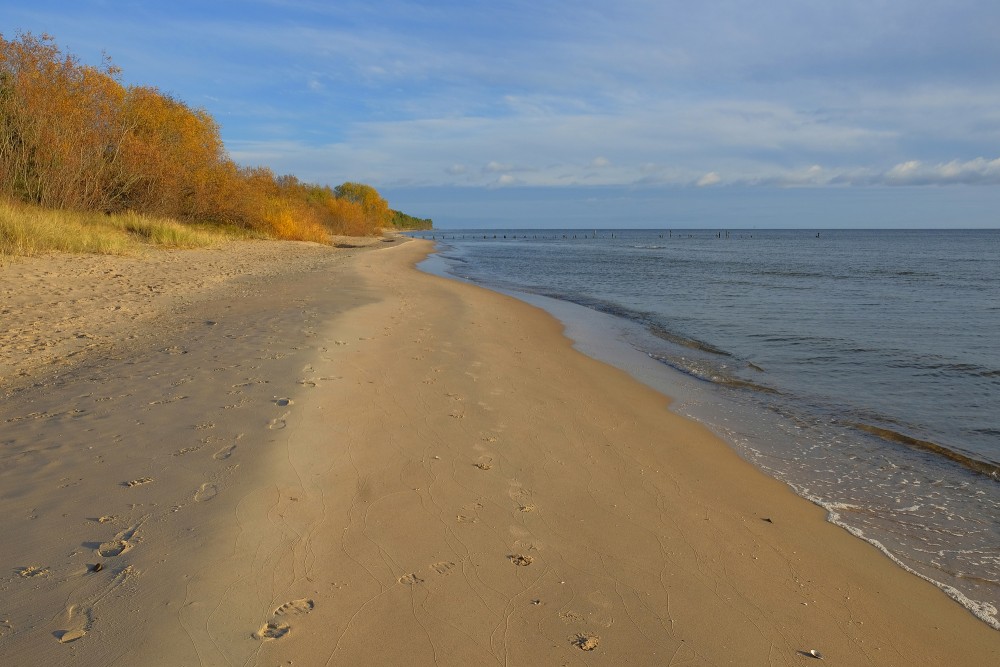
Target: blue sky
point(801, 113)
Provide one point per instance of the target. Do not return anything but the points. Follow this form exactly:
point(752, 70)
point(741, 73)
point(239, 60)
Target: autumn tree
point(376, 208)
point(72, 136)
point(61, 130)
point(174, 155)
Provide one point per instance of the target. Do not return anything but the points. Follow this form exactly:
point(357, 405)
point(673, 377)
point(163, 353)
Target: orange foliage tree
point(172, 155)
point(72, 136)
point(376, 209)
point(61, 131)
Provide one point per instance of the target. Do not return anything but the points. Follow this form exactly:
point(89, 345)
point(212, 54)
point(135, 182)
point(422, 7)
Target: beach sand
point(288, 454)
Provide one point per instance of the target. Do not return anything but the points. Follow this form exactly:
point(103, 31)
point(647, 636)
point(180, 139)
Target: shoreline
point(402, 467)
point(595, 340)
point(833, 463)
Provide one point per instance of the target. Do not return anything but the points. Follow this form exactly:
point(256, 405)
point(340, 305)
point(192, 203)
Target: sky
point(557, 113)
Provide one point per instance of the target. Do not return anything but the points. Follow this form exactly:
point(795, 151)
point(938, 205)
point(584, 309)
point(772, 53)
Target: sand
point(288, 454)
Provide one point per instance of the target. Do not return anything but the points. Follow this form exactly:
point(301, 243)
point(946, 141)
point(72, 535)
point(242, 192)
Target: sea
point(860, 367)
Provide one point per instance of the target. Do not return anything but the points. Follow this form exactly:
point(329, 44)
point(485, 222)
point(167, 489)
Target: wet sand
point(288, 453)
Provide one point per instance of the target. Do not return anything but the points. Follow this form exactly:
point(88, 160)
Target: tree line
point(401, 220)
point(72, 136)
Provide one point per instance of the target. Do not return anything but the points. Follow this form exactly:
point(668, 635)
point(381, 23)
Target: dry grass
point(26, 231)
point(167, 233)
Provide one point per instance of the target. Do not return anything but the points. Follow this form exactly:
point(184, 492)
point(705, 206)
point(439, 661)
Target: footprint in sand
point(585, 642)
point(603, 611)
point(224, 453)
point(121, 543)
point(113, 548)
point(521, 496)
point(206, 492)
point(275, 628)
point(138, 482)
point(277, 424)
point(282, 402)
point(520, 560)
point(443, 567)
point(170, 399)
point(295, 607)
point(80, 620)
point(67, 636)
point(271, 630)
point(80, 616)
point(410, 579)
point(469, 513)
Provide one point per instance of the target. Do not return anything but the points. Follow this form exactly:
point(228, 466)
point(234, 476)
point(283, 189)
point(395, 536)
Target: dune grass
point(26, 231)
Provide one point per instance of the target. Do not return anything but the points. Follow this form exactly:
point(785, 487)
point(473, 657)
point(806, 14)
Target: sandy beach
point(287, 454)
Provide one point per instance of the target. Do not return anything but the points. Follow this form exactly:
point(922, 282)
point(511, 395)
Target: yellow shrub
point(287, 221)
point(348, 218)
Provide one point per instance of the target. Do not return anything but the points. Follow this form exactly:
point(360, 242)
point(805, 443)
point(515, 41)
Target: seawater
point(862, 368)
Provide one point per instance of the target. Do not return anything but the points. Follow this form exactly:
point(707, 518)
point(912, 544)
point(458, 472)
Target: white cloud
point(711, 178)
point(667, 143)
point(385, 154)
point(494, 167)
point(902, 172)
point(979, 171)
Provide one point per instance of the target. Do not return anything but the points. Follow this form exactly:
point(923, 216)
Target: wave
point(958, 368)
point(984, 611)
point(684, 341)
point(713, 376)
point(985, 468)
point(648, 320)
point(798, 274)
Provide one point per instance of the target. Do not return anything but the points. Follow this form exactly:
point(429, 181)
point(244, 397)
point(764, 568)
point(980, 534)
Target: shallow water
point(860, 367)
